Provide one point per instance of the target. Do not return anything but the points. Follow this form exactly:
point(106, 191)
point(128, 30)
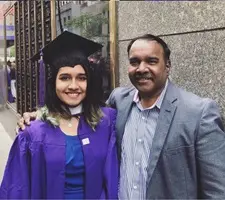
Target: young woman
point(70, 152)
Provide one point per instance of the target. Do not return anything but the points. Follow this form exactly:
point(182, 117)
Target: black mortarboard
point(65, 43)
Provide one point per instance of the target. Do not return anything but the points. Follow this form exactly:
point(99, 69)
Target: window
point(65, 2)
point(68, 18)
point(64, 20)
point(80, 2)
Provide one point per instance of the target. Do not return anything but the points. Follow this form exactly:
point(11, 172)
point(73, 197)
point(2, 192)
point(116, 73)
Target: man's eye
point(151, 61)
point(134, 62)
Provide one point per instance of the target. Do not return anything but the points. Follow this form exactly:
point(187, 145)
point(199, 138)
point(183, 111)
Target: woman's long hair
point(93, 100)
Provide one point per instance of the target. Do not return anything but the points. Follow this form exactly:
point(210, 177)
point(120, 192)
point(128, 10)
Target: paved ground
point(7, 134)
point(5, 144)
point(8, 120)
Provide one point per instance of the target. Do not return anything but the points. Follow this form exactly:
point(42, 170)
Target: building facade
point(4, 6)
point(74, 9)
point(195, 32)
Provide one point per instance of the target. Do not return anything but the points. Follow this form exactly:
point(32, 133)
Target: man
point(2, 86)
point(171, 143)
point(8, 69)
point(13, 79)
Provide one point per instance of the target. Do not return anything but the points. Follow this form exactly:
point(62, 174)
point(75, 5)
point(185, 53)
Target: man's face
point(147, 70)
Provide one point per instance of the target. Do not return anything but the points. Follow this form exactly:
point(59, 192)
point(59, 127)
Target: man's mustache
point(145, 76)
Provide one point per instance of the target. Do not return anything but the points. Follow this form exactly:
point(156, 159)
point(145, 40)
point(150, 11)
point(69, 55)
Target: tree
point(12, 51)
point(89, 24)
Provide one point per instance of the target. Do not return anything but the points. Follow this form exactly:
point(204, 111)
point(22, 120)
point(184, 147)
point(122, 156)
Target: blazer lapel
point(167, 112)
point(122, 115)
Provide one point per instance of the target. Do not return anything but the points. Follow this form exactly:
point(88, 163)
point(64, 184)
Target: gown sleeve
point(111, 170)
point(15, 183)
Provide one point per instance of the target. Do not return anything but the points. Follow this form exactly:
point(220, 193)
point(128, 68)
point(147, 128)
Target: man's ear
point(168, 64)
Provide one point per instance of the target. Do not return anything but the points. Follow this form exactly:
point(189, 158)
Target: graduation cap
point(65, 43)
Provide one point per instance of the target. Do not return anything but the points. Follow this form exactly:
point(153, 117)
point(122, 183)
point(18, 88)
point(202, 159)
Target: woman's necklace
point(69, 124)
point(75, 111)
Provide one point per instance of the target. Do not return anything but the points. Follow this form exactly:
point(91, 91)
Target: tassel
point(41, 81)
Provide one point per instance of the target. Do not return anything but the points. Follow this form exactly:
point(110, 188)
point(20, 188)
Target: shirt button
point(140, 140)
point(135, 187)
point(137, 163)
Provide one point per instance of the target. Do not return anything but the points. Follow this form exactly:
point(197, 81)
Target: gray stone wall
point(196, 36)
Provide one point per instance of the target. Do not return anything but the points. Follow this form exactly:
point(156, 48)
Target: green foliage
point(12, 51)
point(89, 24)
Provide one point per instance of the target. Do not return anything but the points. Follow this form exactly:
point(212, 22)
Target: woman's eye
point(83, 78)
point(64, 78)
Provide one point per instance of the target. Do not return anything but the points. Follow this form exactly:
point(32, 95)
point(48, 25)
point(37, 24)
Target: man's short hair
point(149, 37)
point(8, 62)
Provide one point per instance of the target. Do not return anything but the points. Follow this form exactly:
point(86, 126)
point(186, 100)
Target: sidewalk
point(5, 144)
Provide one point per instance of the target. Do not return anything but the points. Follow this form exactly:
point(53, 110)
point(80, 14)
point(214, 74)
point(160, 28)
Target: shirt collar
point(76, 110)
point(158, 102)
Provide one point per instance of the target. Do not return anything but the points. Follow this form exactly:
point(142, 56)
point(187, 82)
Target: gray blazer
point(187, 158)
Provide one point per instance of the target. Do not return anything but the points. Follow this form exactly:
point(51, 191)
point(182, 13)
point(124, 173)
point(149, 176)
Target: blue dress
point(74, 173)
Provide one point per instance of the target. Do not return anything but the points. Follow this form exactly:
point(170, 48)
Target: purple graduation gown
point(36, 163)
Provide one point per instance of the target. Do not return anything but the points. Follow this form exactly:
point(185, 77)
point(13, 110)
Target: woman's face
point(71, 85)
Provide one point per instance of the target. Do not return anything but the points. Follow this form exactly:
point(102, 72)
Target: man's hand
point(25, 120)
